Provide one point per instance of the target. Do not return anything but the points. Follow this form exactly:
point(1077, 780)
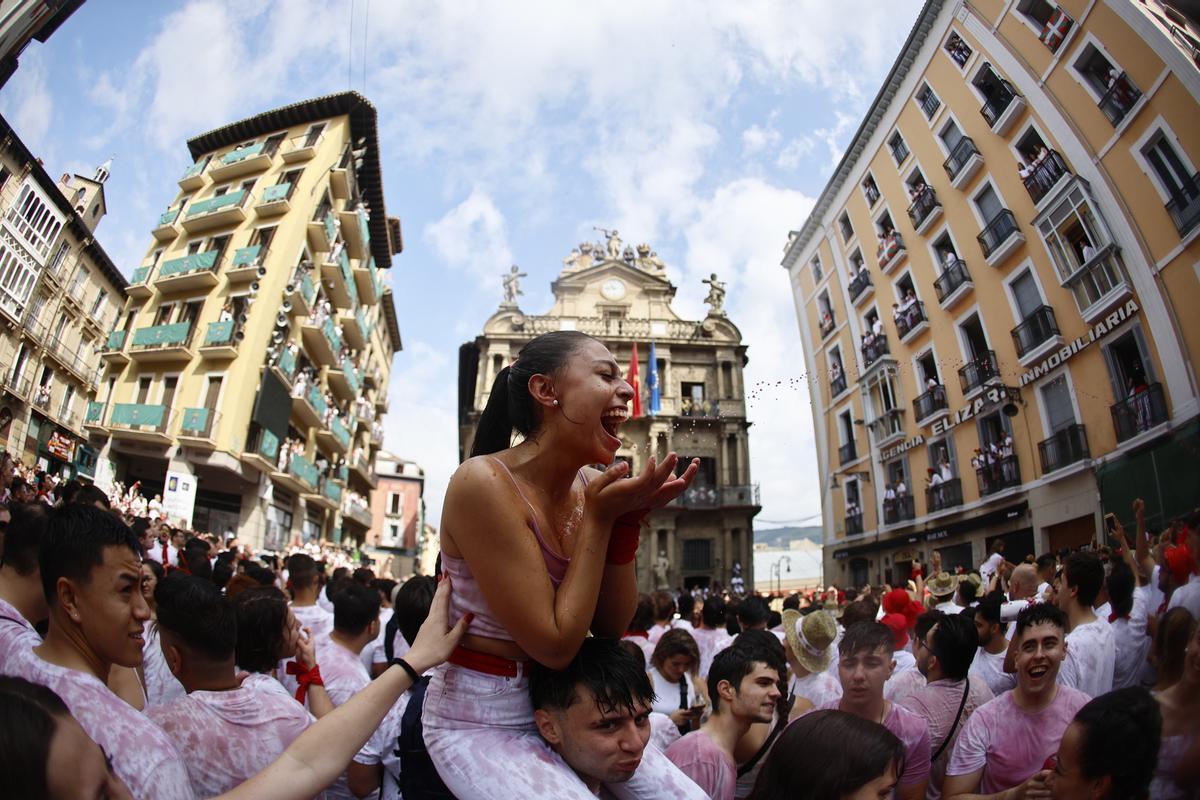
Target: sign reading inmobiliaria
point(1094, 334)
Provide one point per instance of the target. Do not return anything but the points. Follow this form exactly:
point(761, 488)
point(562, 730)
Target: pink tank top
point(466, 595)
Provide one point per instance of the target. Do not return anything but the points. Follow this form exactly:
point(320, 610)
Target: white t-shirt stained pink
point(938, 703)
point(709, 641)
point(381, 749)
point(1010, 743)
point(317, 619)
point(990, 667)
point(913, 733)
point(161, 684)
point(1131, 642)
point(1091, 658)
point(16, 634)
point(818, 688)
point(142, 755)
point(710, 767)
point(231, 736)
point(344, 676)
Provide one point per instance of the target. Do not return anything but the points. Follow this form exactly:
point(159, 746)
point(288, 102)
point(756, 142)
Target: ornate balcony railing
point(874, 350)
point(859, 284)
point(902, 508)
point(1003, 473)
point(960, 156)
point(924, 204)
point(1184, 205)
point(946, 494)
point(1039, 327)
point(837, 385)
point(997, 231)
point(1122, 95)
point(1045, 174)
point(954, 274)
point(847, 453)
point(854, 524)
point(1139, 412)
point(929, 402)
point(978, 371)
point(909, 318)
point(995, 106)
point(1065, 447)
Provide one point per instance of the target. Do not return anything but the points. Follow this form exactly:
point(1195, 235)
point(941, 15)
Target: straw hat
point(943, 584)
point(810, 638)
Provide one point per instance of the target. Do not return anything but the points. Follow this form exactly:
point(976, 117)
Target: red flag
point(632, 377)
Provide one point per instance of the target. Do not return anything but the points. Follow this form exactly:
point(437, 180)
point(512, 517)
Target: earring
point(556, 401)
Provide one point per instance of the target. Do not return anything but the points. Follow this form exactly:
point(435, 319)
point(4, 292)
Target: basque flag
point(632, 377)
point(652, 381)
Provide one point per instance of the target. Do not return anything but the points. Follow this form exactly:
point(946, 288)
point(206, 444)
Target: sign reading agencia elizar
point(1095, 333)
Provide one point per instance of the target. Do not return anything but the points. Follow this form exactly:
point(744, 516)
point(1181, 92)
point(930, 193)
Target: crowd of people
point(143, 661)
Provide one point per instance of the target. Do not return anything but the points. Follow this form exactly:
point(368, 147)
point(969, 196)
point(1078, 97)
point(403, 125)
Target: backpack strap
point(957, 717)
point(776, 729)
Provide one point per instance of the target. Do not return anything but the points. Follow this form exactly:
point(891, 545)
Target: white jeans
point(480, 733)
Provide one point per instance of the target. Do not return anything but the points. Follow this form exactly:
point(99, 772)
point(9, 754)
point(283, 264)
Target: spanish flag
point(632, 377)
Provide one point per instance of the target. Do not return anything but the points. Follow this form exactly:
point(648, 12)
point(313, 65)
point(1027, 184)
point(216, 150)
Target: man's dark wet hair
point(88, 495)
point(362, 576)
point(1045, 561)
point(194, 609)
point(24, 536)
point(989, 610)
point(713, 612)
point(385, 587)
point(259, 574)
point(195, 555)
point(1121, 583)
point(261, 613)
point(862, 610)
point(302, 571)
point(955, 643)
point(753, 610)
point(1040, 613)
point(412, 605)
point(643, 613)
point(1121, 734)
point(29, 716)
point(355, 607)
point(926, 621)
point(1085, 572)
point(612, 675)
point(866, 636)
point(792, 601)
point(74, 544)
point(738, 660)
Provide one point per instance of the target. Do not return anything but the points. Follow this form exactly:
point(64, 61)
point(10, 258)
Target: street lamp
point(776, 569)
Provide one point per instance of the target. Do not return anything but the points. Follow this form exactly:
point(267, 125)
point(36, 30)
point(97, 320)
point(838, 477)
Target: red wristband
point(625, 537)
point(304, 678)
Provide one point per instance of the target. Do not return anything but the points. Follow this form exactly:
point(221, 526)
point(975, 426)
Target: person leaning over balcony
point(541, 550)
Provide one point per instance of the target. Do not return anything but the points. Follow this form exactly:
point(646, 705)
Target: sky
point(508, 132)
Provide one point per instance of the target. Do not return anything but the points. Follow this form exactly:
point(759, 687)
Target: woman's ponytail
point(494, 431)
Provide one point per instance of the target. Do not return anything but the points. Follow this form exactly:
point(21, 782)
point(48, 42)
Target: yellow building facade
point(247, 377)
point(994, 288)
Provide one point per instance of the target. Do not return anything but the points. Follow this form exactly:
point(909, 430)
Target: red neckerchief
point(643, 634)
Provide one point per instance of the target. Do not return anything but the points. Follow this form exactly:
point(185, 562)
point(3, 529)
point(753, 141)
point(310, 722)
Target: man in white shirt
point(1091, 651)
point(22, 601)
point(1046, 565)
point(993, 645)
point(994, 562)
point(942, 588)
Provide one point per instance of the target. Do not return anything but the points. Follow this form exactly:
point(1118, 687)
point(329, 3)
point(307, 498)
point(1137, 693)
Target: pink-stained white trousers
point(480, 733)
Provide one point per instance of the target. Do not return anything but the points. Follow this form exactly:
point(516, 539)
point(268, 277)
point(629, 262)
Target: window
point(395, 503)
point(314, 134)
point(958, 50)
point(96, 313)
point(262, 237)
point(989, 205)
point(898, 147)
point(997, 93)
point(1037, 12)
point(1115, 93)
point(1080, 247)
point(870, 189)
point(845, 227)
point(1056, 399)
point(59, 255)
point(1025, 294)
point(1040, 168)
point(34, 219)
point(816, 268)
point(697, 554)
point(17, 274)
point(1054, 23)
point(928, 101)
point(1180, 184)
point(825, 314)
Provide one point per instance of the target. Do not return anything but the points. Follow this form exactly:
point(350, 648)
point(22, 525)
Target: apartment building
point(692, 396)
point(247, 377)
point(994, 288)
point(22, 21)
point(59, 295)
point(398, 513)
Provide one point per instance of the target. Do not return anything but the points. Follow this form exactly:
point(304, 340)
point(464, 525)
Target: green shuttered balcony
point(162, 342)
point(195, 271)
point(141, 422)
point(214, 212)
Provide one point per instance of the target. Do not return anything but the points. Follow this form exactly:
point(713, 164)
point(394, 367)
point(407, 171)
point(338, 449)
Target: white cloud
point(27, 101)
point(472, 237)
point(795, 151)
point(756, 138)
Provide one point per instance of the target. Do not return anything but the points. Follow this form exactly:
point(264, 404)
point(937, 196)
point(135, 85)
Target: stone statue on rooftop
point(512, 285)
point(613, 248)
point(716, 295)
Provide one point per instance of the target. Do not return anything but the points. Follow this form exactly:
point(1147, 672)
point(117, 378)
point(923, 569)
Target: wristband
point(626, 535)
point(304, 678)
point(412, 673)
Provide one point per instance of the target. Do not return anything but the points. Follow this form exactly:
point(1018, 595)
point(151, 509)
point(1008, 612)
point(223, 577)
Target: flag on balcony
point(632, 377)
point(1056, 29)
point(652, 381)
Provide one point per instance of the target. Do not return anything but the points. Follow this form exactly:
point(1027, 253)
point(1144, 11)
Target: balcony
point(925, 209)
point(139, 283)
point(198, 428)
point(827, 324)
point(354, 328)
point(192, 272)
point(1098, 284)
point(1000, 238)
point(335, 438)
point(963, 163)
point(329, 497)
point(165, 230)
point(302, 148)
point(275, 200)
point(900, 509)
point(221, 340)
point(358, 513)
point(356, 233)
point(214, 212)
point(1141, 412)
point(242, 161)
point(854, 524)
point(17, 385)
point(860, 287)
point(193, 177)
point(309, 407)
point(1121, 96)
point(323, 232)
point(953, 284)
point(1184, 206)
point(847, 453)
point(1045, 175)
point(284, 364)
point(361, 468)
point(930, 403)
point(946, 494)
point(41, 397)
point(141, 422)
point(978, 372)
point(1035, 331)
point(262, 450)
point(162, 343)
point(338, 279)
point(887, 426)
point(345, 381)
point(741, 496)
point(1003, 107)
point(247, 264)
point(301, 475)
point(370, 287)
point(323, 343)
point(699, 408)
point(112, 351)
point(891, 251)
point(301, 293)
point(1067, 446)
point(837, 385)
point(1000, 474)
point(93, 418)
point(874, 350)
point(911, 320)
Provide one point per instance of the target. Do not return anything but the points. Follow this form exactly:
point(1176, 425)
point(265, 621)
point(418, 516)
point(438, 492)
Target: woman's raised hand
point(609, 496)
